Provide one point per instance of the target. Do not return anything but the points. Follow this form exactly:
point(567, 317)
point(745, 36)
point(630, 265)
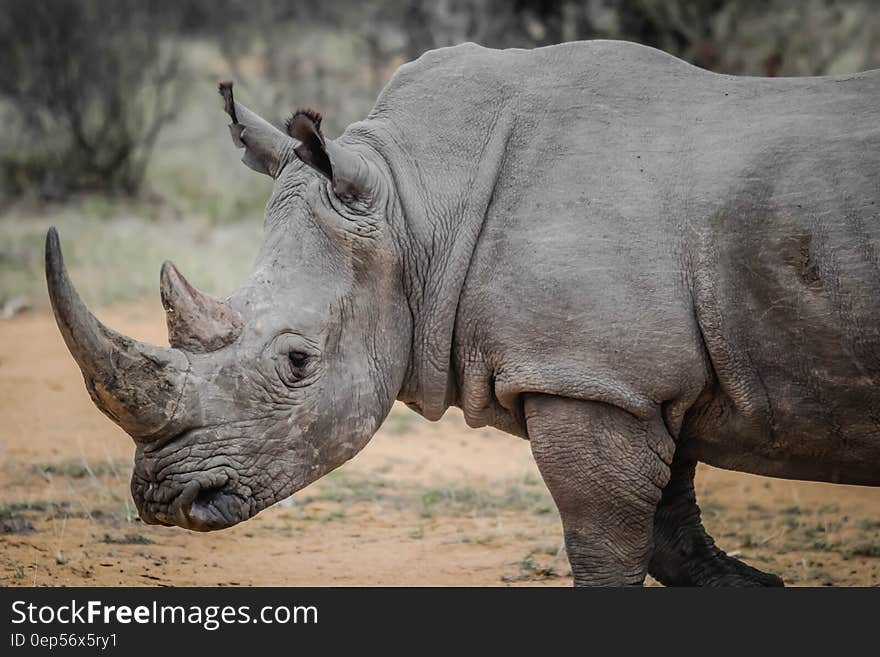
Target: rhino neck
point(445, 184)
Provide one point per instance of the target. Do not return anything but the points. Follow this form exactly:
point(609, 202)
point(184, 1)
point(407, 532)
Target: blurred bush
point(753, 37)
point(110, 106)
point(89, 85)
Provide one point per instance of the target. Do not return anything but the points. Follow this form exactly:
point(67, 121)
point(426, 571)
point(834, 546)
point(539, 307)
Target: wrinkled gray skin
point(633, 263)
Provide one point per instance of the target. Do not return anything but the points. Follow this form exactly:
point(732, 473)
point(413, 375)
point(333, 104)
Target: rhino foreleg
point(684, 554)
point(606, 470)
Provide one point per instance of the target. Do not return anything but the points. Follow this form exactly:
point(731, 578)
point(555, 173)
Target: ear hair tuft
point(225, 89)
point(292, 125)
point(305, 127)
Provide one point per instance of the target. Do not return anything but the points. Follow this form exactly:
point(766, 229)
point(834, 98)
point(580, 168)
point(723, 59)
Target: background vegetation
point(112, 130)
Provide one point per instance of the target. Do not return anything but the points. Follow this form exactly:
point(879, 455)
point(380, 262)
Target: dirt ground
point(424, 504)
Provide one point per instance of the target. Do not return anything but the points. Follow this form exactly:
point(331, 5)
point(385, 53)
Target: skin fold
point(633, 263)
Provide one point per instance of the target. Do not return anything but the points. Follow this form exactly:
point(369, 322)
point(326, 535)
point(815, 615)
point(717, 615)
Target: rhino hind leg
point(684, 554)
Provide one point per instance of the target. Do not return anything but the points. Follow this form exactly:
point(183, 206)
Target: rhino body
point(664, 239)
point(633, 263)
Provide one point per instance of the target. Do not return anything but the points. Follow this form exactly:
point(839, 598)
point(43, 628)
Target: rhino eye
point(300, 365)
point(298, 359)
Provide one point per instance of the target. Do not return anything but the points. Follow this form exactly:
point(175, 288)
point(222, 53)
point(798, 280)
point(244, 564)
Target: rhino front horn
point(137, 385)
point(197, 322)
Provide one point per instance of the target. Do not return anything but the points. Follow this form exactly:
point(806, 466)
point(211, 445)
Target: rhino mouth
point(200, 507)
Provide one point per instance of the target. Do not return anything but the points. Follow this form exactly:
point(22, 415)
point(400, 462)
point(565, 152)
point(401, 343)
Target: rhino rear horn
point(197, 323)
point(139, 386)
point(267, 149)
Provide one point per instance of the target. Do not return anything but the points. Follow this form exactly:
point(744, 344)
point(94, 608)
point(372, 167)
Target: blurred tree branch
point(87, 85)
point(89, 82)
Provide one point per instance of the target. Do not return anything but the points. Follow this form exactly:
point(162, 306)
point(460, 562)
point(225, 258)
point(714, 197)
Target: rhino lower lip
point(206, 508)
point(212, 509)
point(206, 503)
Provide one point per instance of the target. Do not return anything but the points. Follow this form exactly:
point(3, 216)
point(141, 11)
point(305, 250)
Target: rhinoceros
point(634, 264)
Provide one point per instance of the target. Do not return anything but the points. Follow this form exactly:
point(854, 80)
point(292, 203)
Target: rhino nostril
point(208, 496)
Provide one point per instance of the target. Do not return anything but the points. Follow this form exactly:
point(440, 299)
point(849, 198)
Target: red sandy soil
point(423, 504)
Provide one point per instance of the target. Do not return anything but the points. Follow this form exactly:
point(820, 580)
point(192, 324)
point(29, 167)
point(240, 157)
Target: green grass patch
point(118, 258)
point(480, 502)
point(347, 489)
point(127, 539)
point(80, 469)
point(866, 549)
point(12, 520)
point(531, 569)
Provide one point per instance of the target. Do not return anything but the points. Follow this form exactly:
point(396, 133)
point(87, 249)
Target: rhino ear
point(267, 149)
point(305, 127)
point(349, 174)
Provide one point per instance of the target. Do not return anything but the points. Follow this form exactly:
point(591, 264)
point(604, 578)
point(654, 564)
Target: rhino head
point(261, 393)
